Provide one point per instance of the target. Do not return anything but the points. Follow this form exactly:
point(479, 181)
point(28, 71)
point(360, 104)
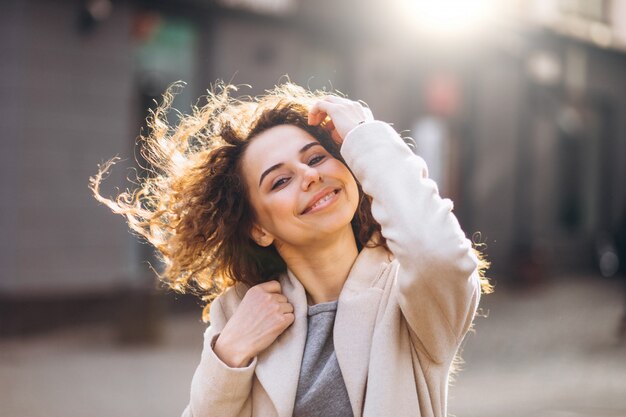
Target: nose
point(310, 176)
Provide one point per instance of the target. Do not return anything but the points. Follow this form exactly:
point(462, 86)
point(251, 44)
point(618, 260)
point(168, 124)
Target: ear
point(261, 236)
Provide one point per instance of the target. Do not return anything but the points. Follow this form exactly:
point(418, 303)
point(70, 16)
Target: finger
point(270, 286)
point(346, 102)
point(338, 100)
point(289, 318)
point(280, 298)
point(286, 308)
point(316, 110)
point(329, 125)
point(316, 118)
point(368, 113)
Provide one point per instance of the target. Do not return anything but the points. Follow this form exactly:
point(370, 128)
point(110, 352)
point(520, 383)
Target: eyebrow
point(280, 164)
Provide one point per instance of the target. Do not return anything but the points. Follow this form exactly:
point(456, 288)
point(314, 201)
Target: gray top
point(321, 388)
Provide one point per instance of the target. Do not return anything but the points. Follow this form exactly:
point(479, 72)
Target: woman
point(345, 282)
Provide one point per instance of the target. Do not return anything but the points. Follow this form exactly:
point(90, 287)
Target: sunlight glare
point(450, 18)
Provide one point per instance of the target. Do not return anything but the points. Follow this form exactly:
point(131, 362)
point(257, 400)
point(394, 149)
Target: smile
point(322, 202)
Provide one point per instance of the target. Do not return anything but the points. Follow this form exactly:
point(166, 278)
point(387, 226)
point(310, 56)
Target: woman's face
point(300, 193)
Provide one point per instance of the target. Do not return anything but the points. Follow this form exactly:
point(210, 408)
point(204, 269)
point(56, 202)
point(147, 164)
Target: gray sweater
point(321, 389)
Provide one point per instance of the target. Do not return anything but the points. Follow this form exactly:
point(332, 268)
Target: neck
point(323, 266)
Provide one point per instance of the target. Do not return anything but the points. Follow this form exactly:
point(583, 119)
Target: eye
point(279, 182)
point(316, 160)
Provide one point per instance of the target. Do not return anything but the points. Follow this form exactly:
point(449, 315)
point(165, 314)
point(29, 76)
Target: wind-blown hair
point(193, 207)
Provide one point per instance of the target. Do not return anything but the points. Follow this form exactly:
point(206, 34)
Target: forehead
point(275, 145)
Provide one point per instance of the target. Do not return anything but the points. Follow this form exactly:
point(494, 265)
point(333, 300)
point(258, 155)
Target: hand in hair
point(338, 115)
point(264, 313)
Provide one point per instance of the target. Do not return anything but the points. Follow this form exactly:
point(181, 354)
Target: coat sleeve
point(216, 389)
point(437, 282)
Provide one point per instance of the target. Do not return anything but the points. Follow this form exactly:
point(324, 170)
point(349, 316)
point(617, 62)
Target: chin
point(337, 224)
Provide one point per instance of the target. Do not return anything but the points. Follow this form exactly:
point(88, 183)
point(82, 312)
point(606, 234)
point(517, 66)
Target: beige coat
point(400, 319)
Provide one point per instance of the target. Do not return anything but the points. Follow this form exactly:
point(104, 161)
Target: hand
point(338, 115)
point(264, 313)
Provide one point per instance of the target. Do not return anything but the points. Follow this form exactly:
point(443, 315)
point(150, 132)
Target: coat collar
point(278, 367)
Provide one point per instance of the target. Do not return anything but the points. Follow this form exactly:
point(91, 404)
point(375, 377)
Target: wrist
point(230, 353)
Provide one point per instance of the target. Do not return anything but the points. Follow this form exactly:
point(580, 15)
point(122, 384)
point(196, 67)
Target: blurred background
point(519, 108)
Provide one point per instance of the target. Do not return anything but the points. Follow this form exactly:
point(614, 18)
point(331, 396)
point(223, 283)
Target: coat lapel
point(278, 367)
point(354, 323)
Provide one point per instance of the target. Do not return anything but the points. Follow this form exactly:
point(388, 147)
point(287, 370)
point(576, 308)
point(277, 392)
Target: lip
point(317, 197)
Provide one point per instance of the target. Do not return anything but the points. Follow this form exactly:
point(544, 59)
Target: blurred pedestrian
point(345, 282)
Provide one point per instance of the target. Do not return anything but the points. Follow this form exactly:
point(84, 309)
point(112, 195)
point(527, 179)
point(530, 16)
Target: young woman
point(345, 282)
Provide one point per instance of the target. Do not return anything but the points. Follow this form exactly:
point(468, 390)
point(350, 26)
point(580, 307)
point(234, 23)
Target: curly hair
point(194, 207)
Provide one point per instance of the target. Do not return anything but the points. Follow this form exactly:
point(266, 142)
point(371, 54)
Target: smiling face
point(299, 192)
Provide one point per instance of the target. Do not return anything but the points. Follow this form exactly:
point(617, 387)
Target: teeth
point(323, 199)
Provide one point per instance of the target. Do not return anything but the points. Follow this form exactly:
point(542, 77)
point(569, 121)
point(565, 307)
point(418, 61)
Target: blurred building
point(527, 114)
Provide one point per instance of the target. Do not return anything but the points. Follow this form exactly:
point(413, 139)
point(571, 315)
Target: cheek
point(274, 210)
point(353, 192)
point(282, 203)
point(348, 179)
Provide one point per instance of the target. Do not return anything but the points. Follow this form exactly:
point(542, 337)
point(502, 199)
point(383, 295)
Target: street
point(550, 351)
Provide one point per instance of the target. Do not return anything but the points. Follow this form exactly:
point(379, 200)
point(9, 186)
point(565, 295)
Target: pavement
point(550, 351)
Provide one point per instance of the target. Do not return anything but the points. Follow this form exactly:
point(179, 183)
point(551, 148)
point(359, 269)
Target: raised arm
point(438, 283)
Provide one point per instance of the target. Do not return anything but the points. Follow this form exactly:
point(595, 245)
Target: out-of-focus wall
point(254, 53)
point(73, 98)
point(66, 106)
point(495, 112)
point(381, 74)
point(607, 81)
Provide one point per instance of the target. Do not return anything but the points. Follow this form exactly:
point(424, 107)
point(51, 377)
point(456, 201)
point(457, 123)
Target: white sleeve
point(438, 283)
point(216, 388)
